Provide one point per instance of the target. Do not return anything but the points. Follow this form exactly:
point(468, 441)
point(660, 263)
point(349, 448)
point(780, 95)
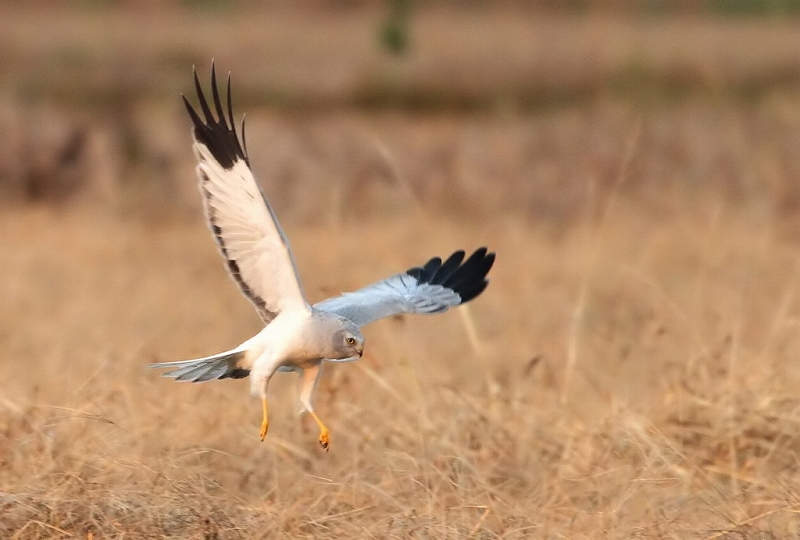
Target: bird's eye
point(350, 340)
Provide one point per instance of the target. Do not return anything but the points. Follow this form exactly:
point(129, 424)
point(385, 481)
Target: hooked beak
point(360, 351)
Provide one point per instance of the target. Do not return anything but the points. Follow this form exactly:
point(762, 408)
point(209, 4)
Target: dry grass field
point(631, 371)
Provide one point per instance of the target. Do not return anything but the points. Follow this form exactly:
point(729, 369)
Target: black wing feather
point(432, 266)
point(468, 280)
point(217, 134)
point(450, 265)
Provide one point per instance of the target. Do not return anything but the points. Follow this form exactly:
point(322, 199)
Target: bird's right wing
point(432, 288)
point(244, 225)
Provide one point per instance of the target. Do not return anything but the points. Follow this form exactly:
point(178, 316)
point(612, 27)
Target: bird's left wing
point(244, 225)
point(432, 288)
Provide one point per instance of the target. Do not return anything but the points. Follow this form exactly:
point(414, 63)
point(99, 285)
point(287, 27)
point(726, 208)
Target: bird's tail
point(220, 366)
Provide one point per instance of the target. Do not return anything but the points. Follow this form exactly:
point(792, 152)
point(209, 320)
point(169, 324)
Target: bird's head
point(347, 342)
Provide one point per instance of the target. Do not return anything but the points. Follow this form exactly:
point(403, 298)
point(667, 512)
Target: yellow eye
point(350, 340)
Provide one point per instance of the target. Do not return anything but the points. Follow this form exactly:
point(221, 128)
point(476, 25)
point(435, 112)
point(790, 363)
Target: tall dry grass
point(677, 417)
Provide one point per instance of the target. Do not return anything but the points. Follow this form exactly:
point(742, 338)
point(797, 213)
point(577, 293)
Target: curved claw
point(324, 434)
point(324, 438)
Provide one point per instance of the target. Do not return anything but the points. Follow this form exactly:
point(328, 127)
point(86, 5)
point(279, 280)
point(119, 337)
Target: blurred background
point(465, 96)
point(631, 371)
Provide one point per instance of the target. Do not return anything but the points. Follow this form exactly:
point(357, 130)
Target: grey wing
point(432, 288)
point(244, 225)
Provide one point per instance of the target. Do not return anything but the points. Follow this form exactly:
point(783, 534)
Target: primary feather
point(244, 225)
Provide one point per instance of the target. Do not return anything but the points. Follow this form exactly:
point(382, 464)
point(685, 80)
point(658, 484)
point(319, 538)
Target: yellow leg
point(265, 421)
point(324, 434)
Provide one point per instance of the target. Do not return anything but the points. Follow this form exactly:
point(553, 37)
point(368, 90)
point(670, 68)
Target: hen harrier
point(297, 336)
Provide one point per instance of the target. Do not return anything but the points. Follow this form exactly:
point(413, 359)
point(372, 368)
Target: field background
point(631, 371)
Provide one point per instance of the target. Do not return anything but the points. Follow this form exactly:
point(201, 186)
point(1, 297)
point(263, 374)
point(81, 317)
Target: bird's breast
point(286, 340)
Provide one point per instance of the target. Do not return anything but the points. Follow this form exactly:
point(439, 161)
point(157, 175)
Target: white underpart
point(280, 343)
point(250, 235)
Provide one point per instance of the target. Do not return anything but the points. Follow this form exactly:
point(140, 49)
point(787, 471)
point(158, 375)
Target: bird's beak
point(360, 352)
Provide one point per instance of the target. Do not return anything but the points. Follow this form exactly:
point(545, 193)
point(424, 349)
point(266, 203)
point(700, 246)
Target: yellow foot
point(324, 439)
point(265, 421)
point(324, 434)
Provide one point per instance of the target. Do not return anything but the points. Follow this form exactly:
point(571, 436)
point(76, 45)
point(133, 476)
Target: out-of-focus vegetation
point(629, 373)
point(89, 100)
point(394, 33)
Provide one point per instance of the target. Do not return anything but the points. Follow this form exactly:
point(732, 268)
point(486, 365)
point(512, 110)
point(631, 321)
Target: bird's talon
point(324, 441)
point(264, 428)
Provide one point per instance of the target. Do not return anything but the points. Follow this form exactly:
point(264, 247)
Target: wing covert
point(241, 219)
point(433, 288)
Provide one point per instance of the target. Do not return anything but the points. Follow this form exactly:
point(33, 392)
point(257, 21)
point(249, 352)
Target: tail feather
point(220, 366)
point(196, 373)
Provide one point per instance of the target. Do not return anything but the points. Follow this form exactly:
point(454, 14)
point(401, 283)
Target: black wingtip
point(218, 133)
point(467, 279)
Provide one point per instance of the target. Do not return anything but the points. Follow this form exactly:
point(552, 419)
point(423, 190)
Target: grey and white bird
point(297, 336)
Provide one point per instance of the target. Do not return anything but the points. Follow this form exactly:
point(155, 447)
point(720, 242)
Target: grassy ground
point(629, 373)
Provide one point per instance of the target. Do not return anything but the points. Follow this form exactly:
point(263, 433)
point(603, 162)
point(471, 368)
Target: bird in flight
point(297, 336)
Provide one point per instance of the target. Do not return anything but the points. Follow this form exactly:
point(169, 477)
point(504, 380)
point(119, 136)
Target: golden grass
point(679, 420)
